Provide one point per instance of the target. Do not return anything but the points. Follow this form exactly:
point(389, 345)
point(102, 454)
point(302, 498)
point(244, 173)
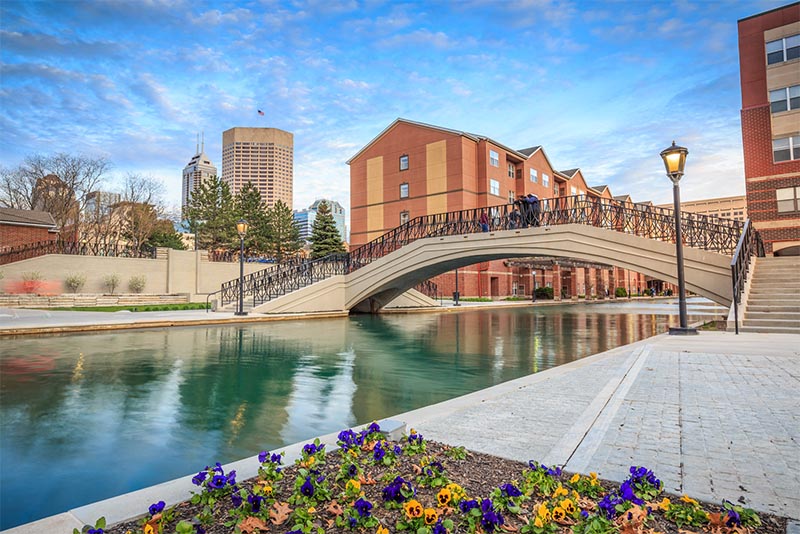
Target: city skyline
point(599, 89)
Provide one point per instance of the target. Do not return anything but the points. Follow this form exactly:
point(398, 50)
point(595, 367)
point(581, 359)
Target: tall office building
point(262, 156)
point(305, 218)
point(769, 65)
point(198, 170)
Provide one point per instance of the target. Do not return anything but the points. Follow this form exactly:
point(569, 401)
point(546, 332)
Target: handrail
point(699, 231)
point(749, 243)
point(41, 248)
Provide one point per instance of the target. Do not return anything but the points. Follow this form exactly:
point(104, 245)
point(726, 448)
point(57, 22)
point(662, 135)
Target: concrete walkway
point(715, 416)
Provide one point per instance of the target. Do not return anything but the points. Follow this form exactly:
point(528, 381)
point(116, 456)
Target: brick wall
point(14, 236)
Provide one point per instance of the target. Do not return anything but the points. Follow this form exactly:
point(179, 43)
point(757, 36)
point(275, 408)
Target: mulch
point(478, 474)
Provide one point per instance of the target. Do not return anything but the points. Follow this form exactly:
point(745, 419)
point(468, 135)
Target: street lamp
point(241, 229)
point(533, 284)
point(456, 296)
point(674, 160)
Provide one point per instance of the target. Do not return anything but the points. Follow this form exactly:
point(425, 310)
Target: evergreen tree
point(283, 240)
point(325, 238)
point(164, 235)
point(211, 216)
point(251, 208)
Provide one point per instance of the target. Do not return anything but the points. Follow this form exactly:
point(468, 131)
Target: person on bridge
point(514, 218)
point(484, 220)
point(522, 204)
point(534, 208)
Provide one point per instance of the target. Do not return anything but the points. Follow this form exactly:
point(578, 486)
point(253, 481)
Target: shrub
point(31, 281)
point(75, 282)
point(136, 283)
point(111, 282)
point(544, 293)
point(620, 292)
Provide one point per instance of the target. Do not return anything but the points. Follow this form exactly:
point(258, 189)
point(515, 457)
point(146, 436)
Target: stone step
point(769, 308)
point(775, 282)
point(761, 300)
point(791, 291)
point(782, 323)
point(769, 330)
point(793, 316)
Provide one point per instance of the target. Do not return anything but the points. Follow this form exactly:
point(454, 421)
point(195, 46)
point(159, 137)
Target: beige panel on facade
point(374, 197)
point(436, 177)
point(783, 31)
point(783, 75)
point(786, 124)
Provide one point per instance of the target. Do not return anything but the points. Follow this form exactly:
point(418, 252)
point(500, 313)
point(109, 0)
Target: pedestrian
point(484, 220)
point(535, 209)
point(522, 204)
point(514, 218)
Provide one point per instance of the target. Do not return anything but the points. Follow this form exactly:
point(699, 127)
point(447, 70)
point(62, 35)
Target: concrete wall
point(177, 271)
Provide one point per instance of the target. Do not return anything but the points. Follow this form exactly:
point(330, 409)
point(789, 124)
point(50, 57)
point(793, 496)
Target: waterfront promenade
point(716, 416)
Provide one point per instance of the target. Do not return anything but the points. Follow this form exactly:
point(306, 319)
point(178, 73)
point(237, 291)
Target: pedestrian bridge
point(636, 237)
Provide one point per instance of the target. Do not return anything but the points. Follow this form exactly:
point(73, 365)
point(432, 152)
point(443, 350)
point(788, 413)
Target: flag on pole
point(260, 112)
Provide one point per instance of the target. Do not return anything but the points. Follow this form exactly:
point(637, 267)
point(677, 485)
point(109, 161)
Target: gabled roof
point(569, 173)
point(623, 198)
point(26, 218)
point(599, 188)
point(472, 136)
point(530, 151)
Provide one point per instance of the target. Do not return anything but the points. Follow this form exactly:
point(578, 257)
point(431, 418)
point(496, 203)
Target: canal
point(86, 417)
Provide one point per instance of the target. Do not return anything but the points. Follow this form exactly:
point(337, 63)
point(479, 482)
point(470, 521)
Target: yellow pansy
point(353, 486)
point(559, 514)
point(444, 496)
point(430, 516)
point(560, 492)
point(543, 512)
point(664, 504)
point(413, 509)
point(576, 495)
point(148, 529)
point(382, 530)
point(568, 506)
point(575, 478)
point(688, 500)
point(538, 522)
point(312, 510)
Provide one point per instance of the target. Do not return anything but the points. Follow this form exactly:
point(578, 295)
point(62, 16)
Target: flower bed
point(371, 485)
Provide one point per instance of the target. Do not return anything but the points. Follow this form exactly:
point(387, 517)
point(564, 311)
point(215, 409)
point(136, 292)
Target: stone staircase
point(773, 304)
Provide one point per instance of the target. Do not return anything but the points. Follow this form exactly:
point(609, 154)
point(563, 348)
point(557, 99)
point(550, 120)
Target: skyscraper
point(262, 156)
point(196, 171)
point(305, 218)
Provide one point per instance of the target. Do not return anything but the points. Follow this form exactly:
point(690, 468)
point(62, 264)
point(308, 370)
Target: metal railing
point(429, 288)
point(41, 248)
point(749, 244)
point(699, 231)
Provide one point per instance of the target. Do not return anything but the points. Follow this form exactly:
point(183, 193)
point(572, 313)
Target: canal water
point(87, 417)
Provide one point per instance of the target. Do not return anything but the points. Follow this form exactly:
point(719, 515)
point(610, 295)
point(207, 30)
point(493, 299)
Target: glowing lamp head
point(242, 227)
point(674, 160)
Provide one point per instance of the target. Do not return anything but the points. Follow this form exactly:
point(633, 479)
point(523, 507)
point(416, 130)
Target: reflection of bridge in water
point(632, 236)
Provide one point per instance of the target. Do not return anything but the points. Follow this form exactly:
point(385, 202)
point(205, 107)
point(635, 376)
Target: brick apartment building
point(413, 169)
point(769, 64)
point(25, 227)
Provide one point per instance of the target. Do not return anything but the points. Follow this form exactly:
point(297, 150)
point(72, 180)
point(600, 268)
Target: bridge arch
point(374, 285)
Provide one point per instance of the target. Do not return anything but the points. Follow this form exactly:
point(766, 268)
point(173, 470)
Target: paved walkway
point(716, 416)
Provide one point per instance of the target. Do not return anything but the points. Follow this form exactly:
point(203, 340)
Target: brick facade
point(13, 235)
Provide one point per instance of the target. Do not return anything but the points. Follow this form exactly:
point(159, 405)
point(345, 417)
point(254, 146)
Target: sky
point(602, 85)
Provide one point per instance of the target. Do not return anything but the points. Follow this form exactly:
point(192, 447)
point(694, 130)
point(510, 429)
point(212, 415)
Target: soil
point(478, 474)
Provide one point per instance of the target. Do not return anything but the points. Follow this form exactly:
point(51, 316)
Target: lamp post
point(241, 229)
point(674, 160)
point(533, 284)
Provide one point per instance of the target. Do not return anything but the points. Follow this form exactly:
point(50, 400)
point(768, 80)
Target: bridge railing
point(699, 231)
point(33, 250)
point(749, 244)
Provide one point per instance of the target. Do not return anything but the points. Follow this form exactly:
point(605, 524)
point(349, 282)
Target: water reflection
point(90, 416)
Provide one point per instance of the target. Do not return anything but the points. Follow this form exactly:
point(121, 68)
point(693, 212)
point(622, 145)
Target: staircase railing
point(749, 243)
point(699, 231)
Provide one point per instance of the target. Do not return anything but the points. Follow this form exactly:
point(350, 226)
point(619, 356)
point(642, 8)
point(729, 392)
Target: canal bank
point(715, 416)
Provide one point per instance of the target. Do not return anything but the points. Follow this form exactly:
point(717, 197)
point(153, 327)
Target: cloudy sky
point(602, 85)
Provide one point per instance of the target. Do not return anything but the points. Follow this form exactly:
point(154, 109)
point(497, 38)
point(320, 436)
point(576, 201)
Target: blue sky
point(603, 86)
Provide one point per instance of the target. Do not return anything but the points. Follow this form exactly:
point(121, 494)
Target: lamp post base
point(240, 313)
point(681, 331)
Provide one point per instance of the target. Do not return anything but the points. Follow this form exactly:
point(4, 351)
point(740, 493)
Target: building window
point(573, 191)
point(788, 199)
point(403, 217)
point(786, 149)
point(510, 197)
point(510, 170)
point(494, 187)
point(545, 180)
point(404, 162)
point(784, 99)
point(535, 176)
point(404, 190)
point(783, 49)
point(494, 158)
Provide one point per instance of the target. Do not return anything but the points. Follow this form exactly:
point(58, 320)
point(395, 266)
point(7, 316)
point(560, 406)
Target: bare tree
point(140, 208)
point(58, 184)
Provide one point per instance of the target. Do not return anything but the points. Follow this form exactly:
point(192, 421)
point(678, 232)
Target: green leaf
point(101, 523)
